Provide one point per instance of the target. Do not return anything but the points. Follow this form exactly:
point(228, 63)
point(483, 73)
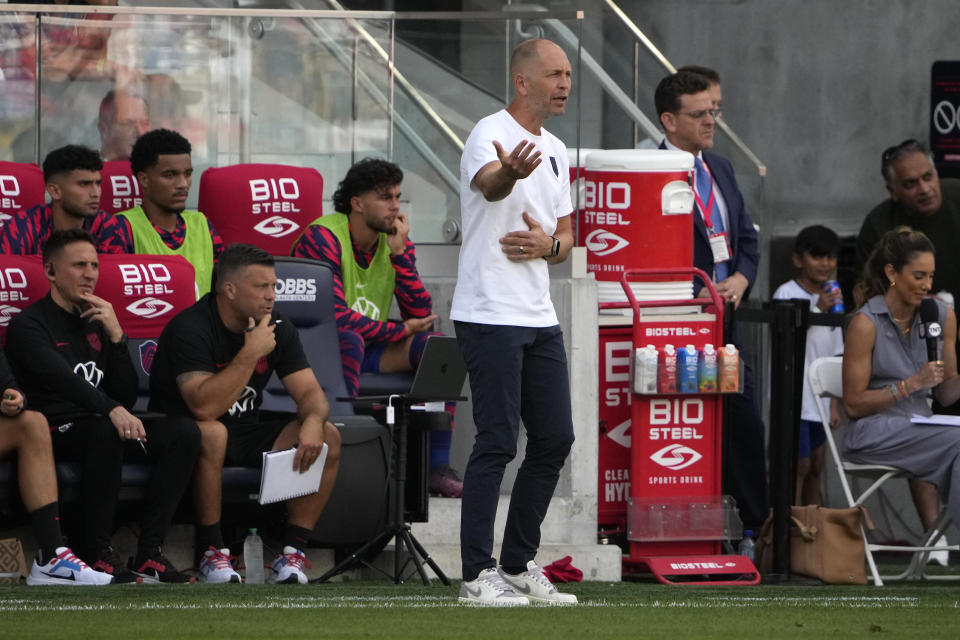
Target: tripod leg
point(426, 558)
point(376, 545)
point(414, 554)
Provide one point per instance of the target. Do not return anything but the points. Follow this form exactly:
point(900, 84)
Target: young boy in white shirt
point(815, 257)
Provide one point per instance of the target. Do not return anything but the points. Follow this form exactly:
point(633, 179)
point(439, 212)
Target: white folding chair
point(826, 382)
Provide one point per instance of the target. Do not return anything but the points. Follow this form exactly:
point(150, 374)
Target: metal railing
point(641, 38)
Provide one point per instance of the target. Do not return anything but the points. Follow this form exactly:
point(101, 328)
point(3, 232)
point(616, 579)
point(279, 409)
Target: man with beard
point(162, 225)
point(72, 177)
point(379, 263)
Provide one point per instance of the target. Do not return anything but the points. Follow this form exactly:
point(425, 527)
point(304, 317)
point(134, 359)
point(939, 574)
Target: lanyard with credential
point(708, 209)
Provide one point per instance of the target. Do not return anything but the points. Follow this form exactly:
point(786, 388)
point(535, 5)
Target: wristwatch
point(555, 251)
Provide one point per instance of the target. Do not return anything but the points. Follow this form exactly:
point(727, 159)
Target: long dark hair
point(897, 247)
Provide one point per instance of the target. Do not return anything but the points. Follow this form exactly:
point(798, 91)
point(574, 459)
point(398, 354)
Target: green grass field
point(382, 610)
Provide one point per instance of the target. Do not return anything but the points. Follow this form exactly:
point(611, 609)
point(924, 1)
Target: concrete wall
point(816, 88)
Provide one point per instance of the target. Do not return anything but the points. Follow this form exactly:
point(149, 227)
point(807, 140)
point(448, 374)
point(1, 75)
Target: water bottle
point(253, 557)
point(829, 287)
point(747, 547)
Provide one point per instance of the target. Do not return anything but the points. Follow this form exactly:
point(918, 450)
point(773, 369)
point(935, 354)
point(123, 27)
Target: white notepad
point(936, 419)
point(278, 480)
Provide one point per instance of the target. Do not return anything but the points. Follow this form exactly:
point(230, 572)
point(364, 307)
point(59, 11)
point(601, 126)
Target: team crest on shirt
point(148, 349)
point(365, 307)
point(94, 341)
point(90, 372)
point(244, 403)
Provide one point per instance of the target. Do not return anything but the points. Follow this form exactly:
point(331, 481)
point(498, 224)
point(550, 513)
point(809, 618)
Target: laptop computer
point(439, 376)
point(441, 371)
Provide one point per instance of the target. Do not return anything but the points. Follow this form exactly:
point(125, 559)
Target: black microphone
point(930, 328)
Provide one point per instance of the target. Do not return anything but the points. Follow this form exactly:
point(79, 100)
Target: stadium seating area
point(265, 205)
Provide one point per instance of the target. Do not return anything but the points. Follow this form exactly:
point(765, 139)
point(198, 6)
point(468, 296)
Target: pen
point(142, 446)
point(249, 329)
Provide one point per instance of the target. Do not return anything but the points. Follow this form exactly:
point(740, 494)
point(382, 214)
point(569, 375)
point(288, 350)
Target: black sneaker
point(155, 568)
point(109, 562)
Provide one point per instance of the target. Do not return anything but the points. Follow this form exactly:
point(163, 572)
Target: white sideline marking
point(422, 602)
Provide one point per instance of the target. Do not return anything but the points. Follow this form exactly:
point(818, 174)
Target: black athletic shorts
point(248, 439)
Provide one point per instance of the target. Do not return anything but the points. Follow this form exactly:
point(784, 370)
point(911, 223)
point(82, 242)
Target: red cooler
point(637, 213)
point(636, 207)
point(578, 165)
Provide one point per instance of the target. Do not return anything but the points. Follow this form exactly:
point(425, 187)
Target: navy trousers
point(515, 373)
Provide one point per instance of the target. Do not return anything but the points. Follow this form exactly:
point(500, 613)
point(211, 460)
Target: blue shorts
point(812, 436)
point(372, 352)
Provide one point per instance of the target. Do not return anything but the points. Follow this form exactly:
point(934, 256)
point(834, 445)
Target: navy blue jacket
point(744, 247)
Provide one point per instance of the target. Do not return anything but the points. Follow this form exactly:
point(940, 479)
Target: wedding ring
point(522, 249)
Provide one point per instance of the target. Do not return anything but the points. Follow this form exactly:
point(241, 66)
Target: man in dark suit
point(725, 247)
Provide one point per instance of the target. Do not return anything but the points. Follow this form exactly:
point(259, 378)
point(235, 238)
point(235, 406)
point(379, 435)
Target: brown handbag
point(824, 543)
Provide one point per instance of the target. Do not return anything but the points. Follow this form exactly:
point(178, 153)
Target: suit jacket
point(744, 246)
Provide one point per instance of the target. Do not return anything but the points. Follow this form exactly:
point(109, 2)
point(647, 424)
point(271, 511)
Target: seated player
point(27, 434)
point(380, 265)
point(212, 363)
point(160, 161)
point(69, 353)
point(72, 177)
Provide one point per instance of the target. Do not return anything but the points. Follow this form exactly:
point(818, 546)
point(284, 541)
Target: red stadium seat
point(266, 205)
point(21, 187)
point(146, 291)
point(22, 282)
point(120, 189)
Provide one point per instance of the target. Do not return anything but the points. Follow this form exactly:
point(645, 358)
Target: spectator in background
point(713, 82)
point(724, 246)
point(815, 258)
point(917, 200)
point(70, 355)
point(123, 118)
point(72, 177)
point(162, 224)
point(381, 264)
point(27, 434)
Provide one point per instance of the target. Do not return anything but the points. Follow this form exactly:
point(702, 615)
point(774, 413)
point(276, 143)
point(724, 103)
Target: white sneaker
point(536, 586)
point(489, 589)
point(942, 557)
point(288, 567)
point(66, 568)
point(216, 568)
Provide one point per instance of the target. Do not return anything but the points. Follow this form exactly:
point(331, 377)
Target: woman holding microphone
point(887, 375)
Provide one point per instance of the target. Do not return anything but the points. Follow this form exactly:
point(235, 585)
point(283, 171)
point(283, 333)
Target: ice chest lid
point(640, 160)
point(584, 152)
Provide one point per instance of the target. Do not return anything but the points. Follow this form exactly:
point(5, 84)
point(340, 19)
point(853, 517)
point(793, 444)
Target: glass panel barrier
point(464, 77)
point(321, 89)
point(18, 72)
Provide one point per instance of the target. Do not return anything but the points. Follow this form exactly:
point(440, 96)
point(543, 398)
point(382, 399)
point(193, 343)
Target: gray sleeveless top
point(897, 356)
